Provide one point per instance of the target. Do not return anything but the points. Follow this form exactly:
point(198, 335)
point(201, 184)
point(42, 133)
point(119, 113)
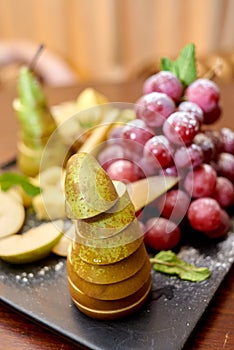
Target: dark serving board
point(165, 322)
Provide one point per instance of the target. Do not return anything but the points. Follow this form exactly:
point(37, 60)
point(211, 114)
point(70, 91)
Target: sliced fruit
point(112, 273)
point(104, 256)
point(144, 191)
point(107, 305)
point(61, 248)
point(113, 220)
point(12, 214)
point(89, 98)
point(50, 205)
point(89, 190)
point(129, 234)
point(112, 291)
point(32, 245)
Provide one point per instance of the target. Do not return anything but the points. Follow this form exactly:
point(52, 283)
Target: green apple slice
point(12, 214)
point(32, 245)
point(88, 189)
point(145, 191)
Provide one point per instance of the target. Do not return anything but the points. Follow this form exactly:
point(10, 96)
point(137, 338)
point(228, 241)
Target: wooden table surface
point(216, 328)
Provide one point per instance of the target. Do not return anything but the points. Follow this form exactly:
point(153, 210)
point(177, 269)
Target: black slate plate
point(165, 322)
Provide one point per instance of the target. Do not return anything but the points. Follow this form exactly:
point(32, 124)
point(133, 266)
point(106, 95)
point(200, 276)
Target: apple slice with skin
point(12, 214)
point(145, 191)
point(33, 245)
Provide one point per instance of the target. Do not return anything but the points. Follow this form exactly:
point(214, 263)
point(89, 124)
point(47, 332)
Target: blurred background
point(113, 40)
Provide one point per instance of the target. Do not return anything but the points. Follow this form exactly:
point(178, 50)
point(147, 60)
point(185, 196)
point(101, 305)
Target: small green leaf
point(8, 180)
point(169, 263)
point(184, 67)
point(167, 64)
point(186, 64)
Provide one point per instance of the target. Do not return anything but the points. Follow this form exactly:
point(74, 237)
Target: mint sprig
point(169, 263)
point(10, 179)
point(184, 67)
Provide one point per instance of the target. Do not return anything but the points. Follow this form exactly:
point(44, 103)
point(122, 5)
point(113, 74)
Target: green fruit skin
point(35, 121)
point(33, 255)
point(35, 125)
point(29, 89)
point(88, 189)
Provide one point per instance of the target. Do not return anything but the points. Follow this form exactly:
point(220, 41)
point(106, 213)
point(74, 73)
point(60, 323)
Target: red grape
point(169, 171)
point(225, 165)
point(207, 146)
point(166, 82)
point(137, 131)
point(217, 140)
point(223, 227)
point(124, 170)
point(190, 156)
point(109, 154)
point(224, 192)
point(204, 214)
point(201, 181)
point(228, 140)
point(161, 234)
point(158, 147)
point(212, 116)
point(205, 93)
point(180, 128)
point(154, 108)
point(174, 205)
point(188, 106)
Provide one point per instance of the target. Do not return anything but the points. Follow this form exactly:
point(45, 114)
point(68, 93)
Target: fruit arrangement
point(181, 170)
point(109, 272)
point(171, 136)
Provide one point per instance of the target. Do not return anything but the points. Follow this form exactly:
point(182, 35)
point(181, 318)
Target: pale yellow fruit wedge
point(32, 245)
point(61, 248)
point(146, 190)
point(50, 205)
point(12, 214)
point(89, 97)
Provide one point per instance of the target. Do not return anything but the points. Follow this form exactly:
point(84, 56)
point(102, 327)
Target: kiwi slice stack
point(109, 273)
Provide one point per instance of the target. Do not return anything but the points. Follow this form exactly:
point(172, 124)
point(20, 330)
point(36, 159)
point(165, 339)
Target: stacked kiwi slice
point(109, 273)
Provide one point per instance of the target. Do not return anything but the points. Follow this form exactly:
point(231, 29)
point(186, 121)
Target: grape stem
point(211, 73)
point(34, 59)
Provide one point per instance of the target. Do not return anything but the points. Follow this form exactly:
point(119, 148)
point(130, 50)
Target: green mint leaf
point(167, 64)
point(8, 180)
point(186, 65)
point(169, 263)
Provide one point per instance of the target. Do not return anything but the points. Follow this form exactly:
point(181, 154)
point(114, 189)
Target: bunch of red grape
point(170, 136)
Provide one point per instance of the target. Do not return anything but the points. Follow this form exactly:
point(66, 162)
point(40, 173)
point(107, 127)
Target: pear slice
point(111, 221)
point(129, 234)
point(107, 305)
point(12, 214)
point(105, 256)
point(112, 291)
point(111, 273)
point(144, 191)
point(32, 245)
point(88, 189)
